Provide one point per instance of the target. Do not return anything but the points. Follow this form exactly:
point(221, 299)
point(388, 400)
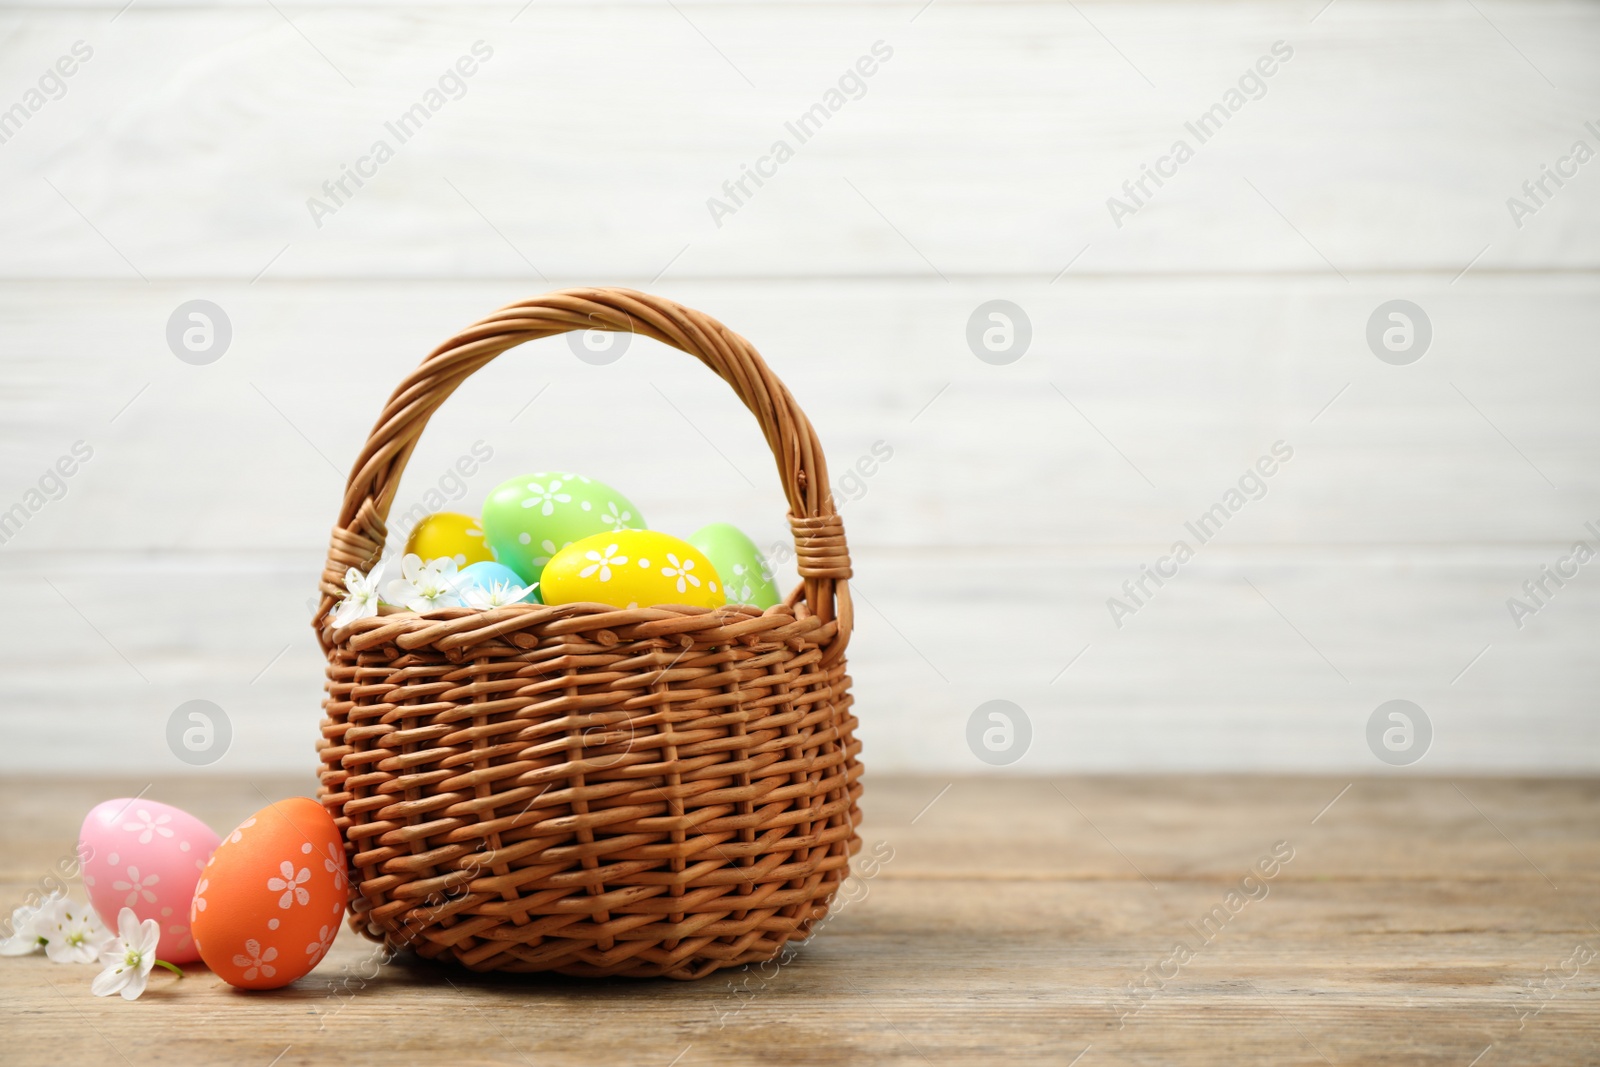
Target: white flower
point(603, 564)
point(743, 592)
point(137, 887)
point(360, 598)
point(319, 948)
point(29, 924)
point(73, 933)
point(497, 595)
point(334, 862)
point(128, 958)
point(238, 831)
point(198, 904)
point(545, 498)
point(256, 960)
point(424, 586)
point(617, 520)
point(681, 571)
point(549, 547)
point(150, 826)
point(291, 885)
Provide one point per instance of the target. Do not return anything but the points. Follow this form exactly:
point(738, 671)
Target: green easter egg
point(744, 573)
point(530, 518)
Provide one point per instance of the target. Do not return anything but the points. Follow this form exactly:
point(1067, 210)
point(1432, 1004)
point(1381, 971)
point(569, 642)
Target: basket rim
point(457, 628)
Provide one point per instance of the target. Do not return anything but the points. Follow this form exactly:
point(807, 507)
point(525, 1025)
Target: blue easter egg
point(487, 574)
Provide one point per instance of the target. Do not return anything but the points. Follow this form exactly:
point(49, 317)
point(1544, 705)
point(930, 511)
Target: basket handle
point(822, 555)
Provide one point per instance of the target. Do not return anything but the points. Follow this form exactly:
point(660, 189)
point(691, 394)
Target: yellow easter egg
point(632, 569)
point(448, 533)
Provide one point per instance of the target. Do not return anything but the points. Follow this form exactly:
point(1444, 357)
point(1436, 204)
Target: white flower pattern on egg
point(617, 520)
point(319, 948)
point(546, 499)
point(233, 838)
point(256, 960)
point(148, 826)
point(603, 564)
point(741, 592)
point(681, 572)
point(290, 885)
point(335, 865)
point(137, 887)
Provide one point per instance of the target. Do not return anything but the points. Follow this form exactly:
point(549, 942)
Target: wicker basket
point(584, 789)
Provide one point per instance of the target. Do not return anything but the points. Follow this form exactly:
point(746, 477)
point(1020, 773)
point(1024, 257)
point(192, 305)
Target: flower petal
point(22, 943)
point(135, 984)
point(111, 980)
point(149, 937)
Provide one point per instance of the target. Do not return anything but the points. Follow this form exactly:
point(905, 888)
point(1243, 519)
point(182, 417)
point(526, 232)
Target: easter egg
point(145, 855)
point(630, 569)
point(487, 574)
point(737, 559)
point(449, 534)
point(269, 902)
point(528, 519)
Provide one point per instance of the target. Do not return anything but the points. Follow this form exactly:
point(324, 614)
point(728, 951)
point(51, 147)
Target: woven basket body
point(584, 789)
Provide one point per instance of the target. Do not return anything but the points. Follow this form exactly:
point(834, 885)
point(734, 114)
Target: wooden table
point(1407, 920)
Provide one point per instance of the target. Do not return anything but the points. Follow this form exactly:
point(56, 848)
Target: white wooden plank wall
point(1227, 313)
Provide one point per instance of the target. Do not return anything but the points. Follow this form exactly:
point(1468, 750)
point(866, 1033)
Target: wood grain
point(1414, 924)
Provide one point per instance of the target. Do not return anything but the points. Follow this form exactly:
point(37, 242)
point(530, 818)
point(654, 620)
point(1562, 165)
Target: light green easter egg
point(530, 518)
point(745, 574)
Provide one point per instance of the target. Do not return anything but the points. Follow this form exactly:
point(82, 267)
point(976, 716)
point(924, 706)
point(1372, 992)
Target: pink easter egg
point(145, 855)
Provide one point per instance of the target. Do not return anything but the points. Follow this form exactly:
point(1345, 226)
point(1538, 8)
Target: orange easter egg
point(271, 897)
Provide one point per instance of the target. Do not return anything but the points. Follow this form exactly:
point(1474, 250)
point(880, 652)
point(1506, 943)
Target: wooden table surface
point(1408, 921)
